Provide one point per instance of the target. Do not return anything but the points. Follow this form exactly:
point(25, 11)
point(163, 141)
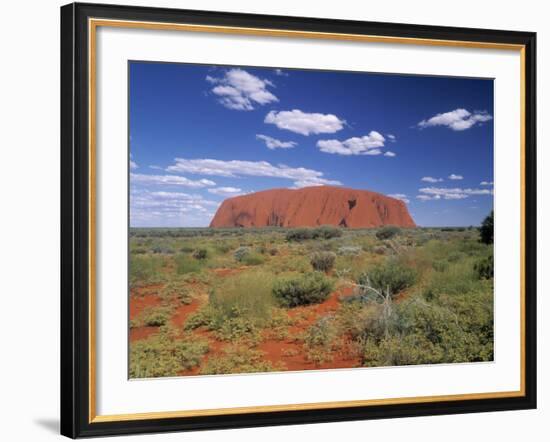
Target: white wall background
point(29, 195)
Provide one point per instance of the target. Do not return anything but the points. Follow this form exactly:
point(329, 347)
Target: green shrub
point(311, 288)
point(186, 264)
point(165, 354)
point(200, 254)
point(486, 230)
point(252, 259)
point(241, 252)
point(300, 234)
point(447, 330)
point(305, 233)
point(485, 267)
point(156, 316)
point(323, 261)
point(162, 249)
point(327, 232)
point(391, 275)
point(387, 232)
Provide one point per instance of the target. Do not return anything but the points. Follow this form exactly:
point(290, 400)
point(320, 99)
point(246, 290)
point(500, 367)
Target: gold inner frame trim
point(93, 24)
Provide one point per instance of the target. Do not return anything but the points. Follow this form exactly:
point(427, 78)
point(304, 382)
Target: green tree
point(486, 230)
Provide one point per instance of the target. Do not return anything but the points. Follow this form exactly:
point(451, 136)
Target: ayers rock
point(312, 206)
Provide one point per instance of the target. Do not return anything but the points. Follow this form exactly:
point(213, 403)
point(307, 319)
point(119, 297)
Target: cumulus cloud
point(281, 73)
point(400, 196)
point(429, 179)
point(486, 183)
point(301, 176)
point(305, 123)
point(389, 153)
point(455, 177)
point(458, 119)
point(240, 90)
point(226, 191)
point(365, 145)
point(456, 193)
point(391, 137)
point(274, 143)
point(169, 180)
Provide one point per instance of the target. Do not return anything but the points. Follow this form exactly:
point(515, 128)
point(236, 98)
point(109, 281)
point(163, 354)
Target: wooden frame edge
point(92, 417)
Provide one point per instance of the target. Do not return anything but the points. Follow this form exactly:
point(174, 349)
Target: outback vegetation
point(215, 301)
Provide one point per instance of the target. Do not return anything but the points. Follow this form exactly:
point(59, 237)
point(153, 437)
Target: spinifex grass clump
point(485, 267)
point(156, 316)
point(320, 339)
point(392, 276)
point(239, 359)
point(310, 288)
point(165, 354)
point(200, 254)
point(238, 308)
point(186, 264)
point(177, 290)
point(323, 261)
point(388, 232)
point(145, 270)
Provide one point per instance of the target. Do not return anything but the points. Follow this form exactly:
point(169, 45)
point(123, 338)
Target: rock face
point(312, 206)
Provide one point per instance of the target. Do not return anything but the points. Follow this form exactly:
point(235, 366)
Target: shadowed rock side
point(312, 206)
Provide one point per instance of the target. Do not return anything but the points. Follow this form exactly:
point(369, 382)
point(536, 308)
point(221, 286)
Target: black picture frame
point(75, 221)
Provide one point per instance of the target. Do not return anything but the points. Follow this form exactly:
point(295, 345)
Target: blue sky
point(200, 134)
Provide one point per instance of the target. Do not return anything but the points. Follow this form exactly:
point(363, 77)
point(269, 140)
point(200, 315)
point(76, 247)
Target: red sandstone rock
point(312, 206)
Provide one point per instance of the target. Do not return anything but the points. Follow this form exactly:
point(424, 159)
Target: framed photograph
point(280, 220)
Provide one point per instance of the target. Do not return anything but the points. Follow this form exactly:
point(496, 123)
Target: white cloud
point(391, 137)
point(389, 153)
point(365, 145)
point(133, 164)
point(235, 168)
point(455, 177)
point(274, 143)
point(458, 119)
point(486, 183)
point(226, 191)
point(241, 90)
point(428, 197)
point(169, 209)
point(281, 73)
point(169, 180)
point(429, 179)
point(456, 193)
point(305, 123)
point(400, 196)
